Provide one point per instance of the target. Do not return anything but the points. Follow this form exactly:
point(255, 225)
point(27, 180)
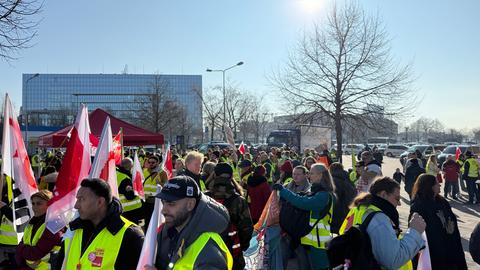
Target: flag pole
point(121, 142)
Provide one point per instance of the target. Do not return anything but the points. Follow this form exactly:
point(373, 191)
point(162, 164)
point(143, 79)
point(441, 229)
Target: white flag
point(149, 248)
point(104, 163)
point(17, 170)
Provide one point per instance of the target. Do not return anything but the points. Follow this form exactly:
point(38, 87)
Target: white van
point(394, 150)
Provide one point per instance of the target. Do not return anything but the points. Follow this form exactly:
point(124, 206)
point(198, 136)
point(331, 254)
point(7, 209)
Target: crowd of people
point(213, 201)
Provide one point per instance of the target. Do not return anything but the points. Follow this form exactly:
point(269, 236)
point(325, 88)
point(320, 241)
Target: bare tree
point(424, 127)
point(256, 121)
point(213, 109)
point(238, 107)
point(344, 71)
point(155, 110)
point(18, 24)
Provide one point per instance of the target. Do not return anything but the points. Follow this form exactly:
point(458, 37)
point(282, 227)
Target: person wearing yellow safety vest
point(246, 169)
point(269, 169)
point(190, 237)
point(38, 246)
point(153, 175)
point(321, 199)
point(461, 162)
point(131, 203)
point(8, 236)
point(193, 168)
point(471, 175)
point(102, 238)
point(389, 249)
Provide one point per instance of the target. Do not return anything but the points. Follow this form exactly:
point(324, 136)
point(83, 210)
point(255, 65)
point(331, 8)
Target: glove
point(277, 187)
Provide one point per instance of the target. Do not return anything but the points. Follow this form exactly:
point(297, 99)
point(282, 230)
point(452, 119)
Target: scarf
point(389, 210)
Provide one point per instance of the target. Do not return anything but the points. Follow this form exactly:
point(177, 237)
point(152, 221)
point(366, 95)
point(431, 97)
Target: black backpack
point(353, 246)
point(296, 222)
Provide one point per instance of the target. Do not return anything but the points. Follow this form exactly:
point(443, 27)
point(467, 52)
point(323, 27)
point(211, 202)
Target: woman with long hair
point(443, 237)
point(320, 204)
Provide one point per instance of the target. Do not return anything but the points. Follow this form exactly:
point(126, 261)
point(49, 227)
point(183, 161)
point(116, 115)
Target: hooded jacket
point(208, 216)
point(345, 193)
point(132, 241)
point(258, 192)
point(411, 174)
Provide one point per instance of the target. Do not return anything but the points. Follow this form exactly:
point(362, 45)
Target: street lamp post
point(224, 95)
point(26, 111)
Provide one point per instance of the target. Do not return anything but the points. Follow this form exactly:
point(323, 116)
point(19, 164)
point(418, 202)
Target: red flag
point(138, 178)
point(167, 165)
point(117, 147)
point(104, 163)
point(17, 170)
point(241, 148)
point(457, 153)
point(75, 167)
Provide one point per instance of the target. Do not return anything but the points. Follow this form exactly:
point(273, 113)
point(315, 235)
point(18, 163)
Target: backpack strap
point(325, 212)
point(364, 225)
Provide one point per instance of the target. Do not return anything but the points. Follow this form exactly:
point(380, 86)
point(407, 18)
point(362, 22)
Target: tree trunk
point(338, 131)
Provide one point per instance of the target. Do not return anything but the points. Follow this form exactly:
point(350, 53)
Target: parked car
point(425, 149)
point(394, 150)
point(452, 150)
point(203, 148)
point(352, 148)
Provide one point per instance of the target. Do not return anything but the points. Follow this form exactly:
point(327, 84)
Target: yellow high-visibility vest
point(187, 261)
point(101, 253)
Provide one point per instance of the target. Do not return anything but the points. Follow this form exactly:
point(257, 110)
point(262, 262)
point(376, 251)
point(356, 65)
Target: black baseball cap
point(178, 188)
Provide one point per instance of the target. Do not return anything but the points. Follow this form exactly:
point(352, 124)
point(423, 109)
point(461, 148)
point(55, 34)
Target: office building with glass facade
point(52, 99)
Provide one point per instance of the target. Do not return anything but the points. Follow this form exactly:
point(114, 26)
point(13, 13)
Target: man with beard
point(190, 238)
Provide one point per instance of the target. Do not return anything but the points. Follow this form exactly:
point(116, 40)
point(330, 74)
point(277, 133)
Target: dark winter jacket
point(44, 245)
point(208, 216)
point(258, 192)
point(224, 191)
point(132, 242)
point(451, 170)
point(195, 177)
point(345, 193)
point(474, 245)
point(443, 237)
point(411, 174)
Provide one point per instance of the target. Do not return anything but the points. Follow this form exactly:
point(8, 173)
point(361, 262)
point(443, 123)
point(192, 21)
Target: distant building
point(54, 99)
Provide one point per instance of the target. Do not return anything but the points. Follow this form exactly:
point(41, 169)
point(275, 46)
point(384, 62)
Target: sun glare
point(310, 6)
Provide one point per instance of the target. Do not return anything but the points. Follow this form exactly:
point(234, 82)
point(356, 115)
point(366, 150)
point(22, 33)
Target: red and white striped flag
point(138, 178)
point(241, 148)
point(75, 167)
point(167, 165)
point(117, 147)
point(149, 248)
point(104, 163)
point(16, 170)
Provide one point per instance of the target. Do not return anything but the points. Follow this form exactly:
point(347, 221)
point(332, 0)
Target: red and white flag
point(241, 148)
point(16, 170)
point(103, 166)
point(138, 178)
point(457, 153)
point(167, 165)
point(149, 248)
point(75, 167)
point(117, 147)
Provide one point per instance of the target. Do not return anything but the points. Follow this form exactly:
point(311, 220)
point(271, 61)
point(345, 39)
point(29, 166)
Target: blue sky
point(441, 38)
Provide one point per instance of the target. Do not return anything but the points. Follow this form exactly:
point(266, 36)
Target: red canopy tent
point(132, 135)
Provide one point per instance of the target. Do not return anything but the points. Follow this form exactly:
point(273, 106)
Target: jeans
point(472, 189)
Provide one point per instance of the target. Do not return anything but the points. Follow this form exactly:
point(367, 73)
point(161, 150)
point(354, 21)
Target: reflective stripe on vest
point(127, 205)
point(150, 184)
point(187, 261)
point(27, 240)
point(473, 168)
point(320, 234)
point(8, 236)
point(355, 217)
point(101, 253)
